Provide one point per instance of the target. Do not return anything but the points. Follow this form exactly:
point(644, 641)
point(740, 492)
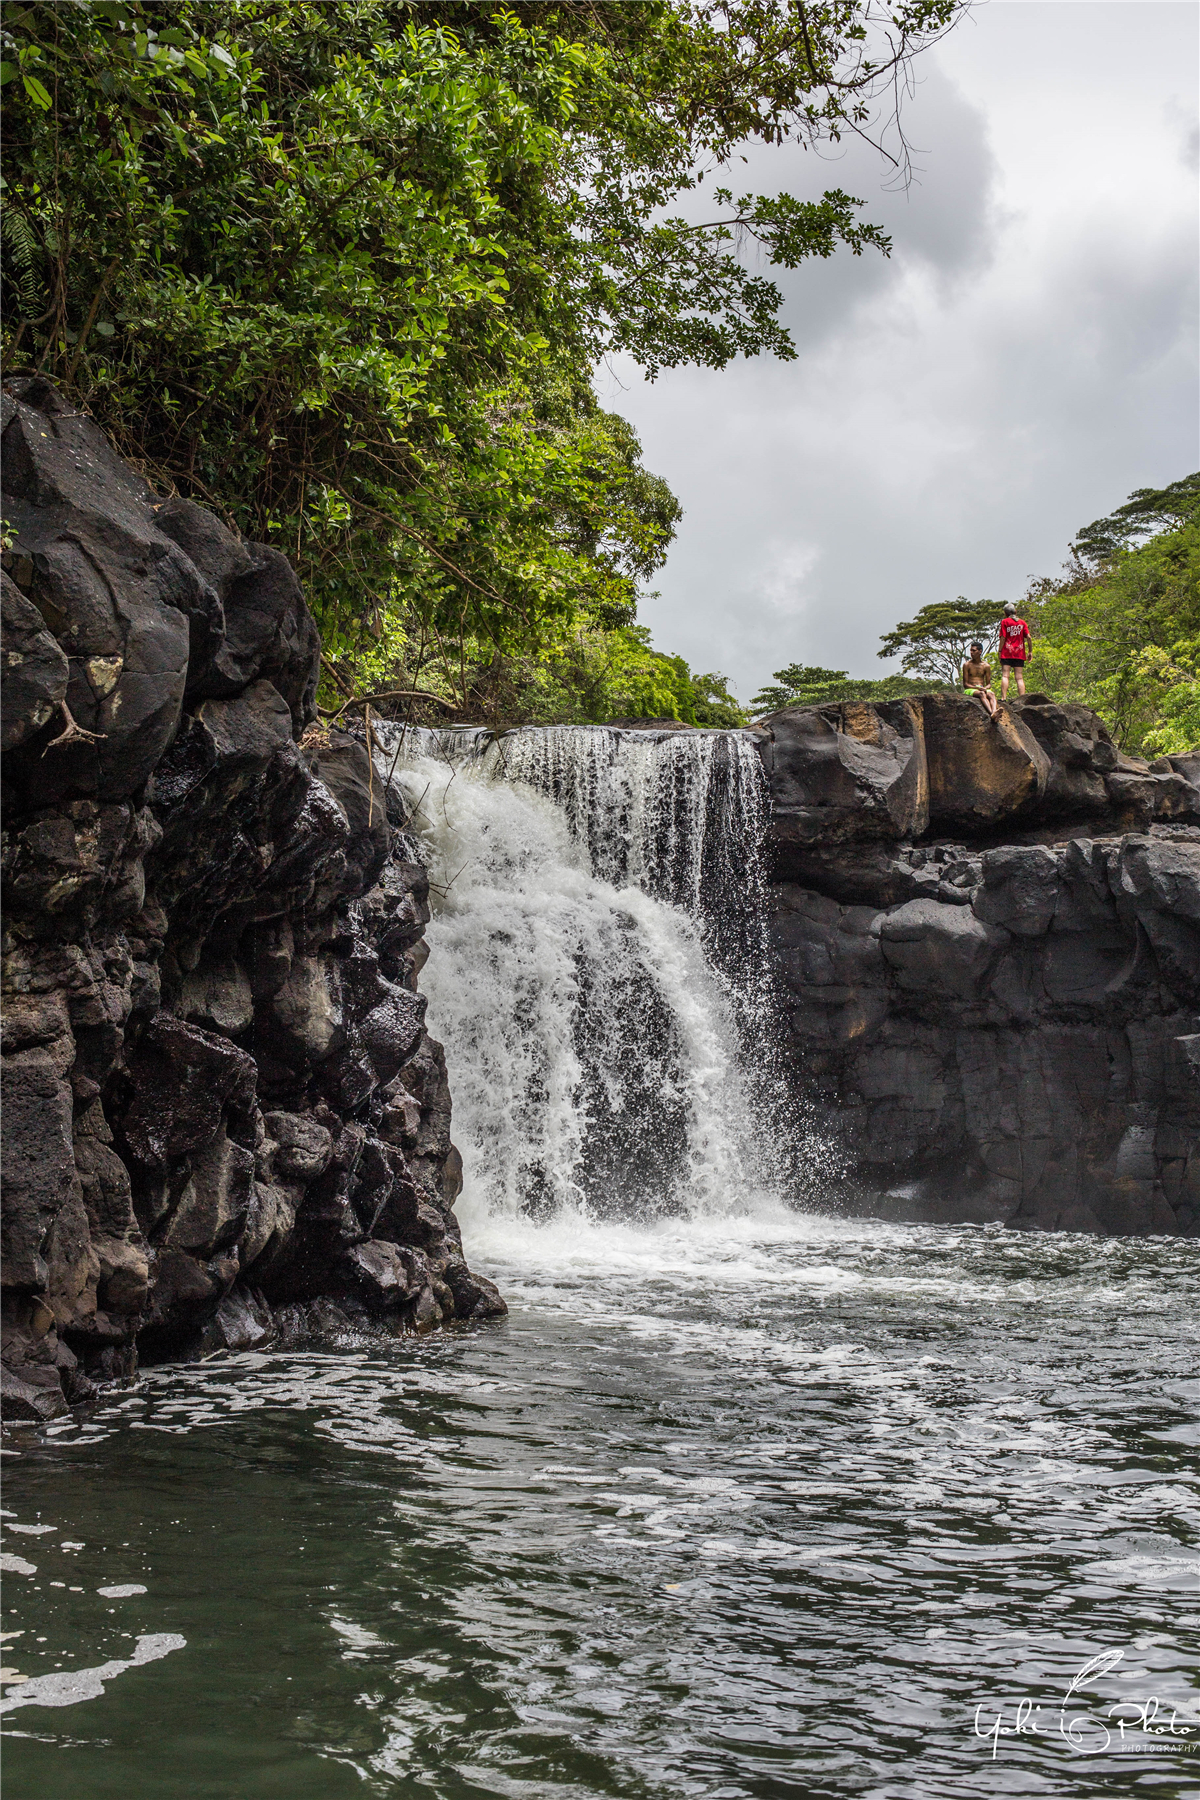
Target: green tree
point(1147, 512)
point(1121, 632)
point(343, 272)
point(937, 642)
point(596, 676)
point(803, 685)
point(712, 703)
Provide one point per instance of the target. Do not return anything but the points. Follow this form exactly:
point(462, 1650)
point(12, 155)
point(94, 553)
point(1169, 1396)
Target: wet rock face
point(1001, 1009)
point(222, 1108)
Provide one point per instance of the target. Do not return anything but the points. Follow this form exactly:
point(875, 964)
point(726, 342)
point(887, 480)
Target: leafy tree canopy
point(938, 641)
point(343, 272)
point(1146, 512)
point(802, 685)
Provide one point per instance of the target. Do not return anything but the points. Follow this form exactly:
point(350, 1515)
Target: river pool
point(737, 1508)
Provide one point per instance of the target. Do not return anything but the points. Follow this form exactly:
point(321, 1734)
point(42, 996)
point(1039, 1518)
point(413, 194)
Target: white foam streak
point(594, 962)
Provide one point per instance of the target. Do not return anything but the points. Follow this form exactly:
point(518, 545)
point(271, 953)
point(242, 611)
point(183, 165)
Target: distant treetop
point(1146, 512)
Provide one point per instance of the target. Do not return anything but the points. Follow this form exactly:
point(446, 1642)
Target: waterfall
point(598, 966)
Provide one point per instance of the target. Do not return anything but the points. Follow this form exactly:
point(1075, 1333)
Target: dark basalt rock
point(35, 671)
point(252, 622)
point(222, 1109)
point(1003, 1023)
point(843, 774)
point(110, 589)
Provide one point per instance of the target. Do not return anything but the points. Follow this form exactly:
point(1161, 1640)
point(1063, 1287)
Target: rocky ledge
point(989, 935)
point(224, 1120)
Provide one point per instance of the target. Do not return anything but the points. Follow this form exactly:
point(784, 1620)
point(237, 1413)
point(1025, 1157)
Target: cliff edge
point(989, 938)
point(224, 1120)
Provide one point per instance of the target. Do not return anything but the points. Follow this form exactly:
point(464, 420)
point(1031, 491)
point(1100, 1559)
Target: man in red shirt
point(1014, 636)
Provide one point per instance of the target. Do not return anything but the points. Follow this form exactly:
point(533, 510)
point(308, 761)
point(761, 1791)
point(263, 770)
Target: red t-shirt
point(1013, 633)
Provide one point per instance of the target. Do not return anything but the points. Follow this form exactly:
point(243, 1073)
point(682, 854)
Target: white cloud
point(1024, 360)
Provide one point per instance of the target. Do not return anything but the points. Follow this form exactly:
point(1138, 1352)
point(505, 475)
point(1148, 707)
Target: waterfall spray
point(598, 965)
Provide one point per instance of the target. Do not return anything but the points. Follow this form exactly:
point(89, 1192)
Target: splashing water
point(598, 966)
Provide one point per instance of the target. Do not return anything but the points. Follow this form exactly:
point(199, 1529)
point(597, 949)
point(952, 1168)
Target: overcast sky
point(1025, 359)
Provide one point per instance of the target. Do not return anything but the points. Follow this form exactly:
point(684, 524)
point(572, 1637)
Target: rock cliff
point(223, 1117)
point(989, 935)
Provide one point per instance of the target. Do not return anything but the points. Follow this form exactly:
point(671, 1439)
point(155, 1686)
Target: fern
point(22, 255)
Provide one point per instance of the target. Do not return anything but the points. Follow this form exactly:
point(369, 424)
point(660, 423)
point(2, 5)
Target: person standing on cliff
point(1014, 636)
point(977, 679)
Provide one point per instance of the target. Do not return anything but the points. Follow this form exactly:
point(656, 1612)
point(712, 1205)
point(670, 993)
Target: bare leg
point(989, 700)
point(1004, 684)
point(1020, 681)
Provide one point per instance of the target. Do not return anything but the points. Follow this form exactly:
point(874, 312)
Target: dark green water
point(722, 1510)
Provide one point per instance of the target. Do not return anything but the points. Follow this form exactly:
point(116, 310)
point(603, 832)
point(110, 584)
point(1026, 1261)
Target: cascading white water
point(597, 961)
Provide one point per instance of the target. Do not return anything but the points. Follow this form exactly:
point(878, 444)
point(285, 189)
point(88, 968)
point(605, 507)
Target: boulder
point(342, 764)
point(390, 1032)
point(386, 1276)
point(944, 949)
point(182, 1080)
point(78, 857)
point(33, 1393)
point(38, 1163)
point(187, 1291)
point(218, 996)
point(252, 623)
point(227, 745)
point(304, 1021)
point(981, 770)
point(210, 1210)
point(867, 874)
point(1158, 883)
point(1080, 751)
point(475, 1297)
point(124, 1283)
point(1186, 764)
point(243, 1321)
point(841, 773)
point(268, 1228)
point(1140, 797)
point(1020, 889)
point(107, 586)
point(303, 1148)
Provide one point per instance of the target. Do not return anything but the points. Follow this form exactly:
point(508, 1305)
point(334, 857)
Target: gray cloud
point(1022, 362)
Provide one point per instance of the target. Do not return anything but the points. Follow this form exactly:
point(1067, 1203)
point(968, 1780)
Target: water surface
point(736, 1508)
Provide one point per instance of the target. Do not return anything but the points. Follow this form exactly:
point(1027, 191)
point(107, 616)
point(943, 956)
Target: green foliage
point(938, 641)
point(1173, 676)
point(802, 685)
point(591, 676)
point(1123, 635)
point(343, 272)
point(712, 703)
point(1146, 512)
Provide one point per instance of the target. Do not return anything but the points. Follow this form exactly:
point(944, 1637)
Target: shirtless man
point(977, 679)
point(1014, 637)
